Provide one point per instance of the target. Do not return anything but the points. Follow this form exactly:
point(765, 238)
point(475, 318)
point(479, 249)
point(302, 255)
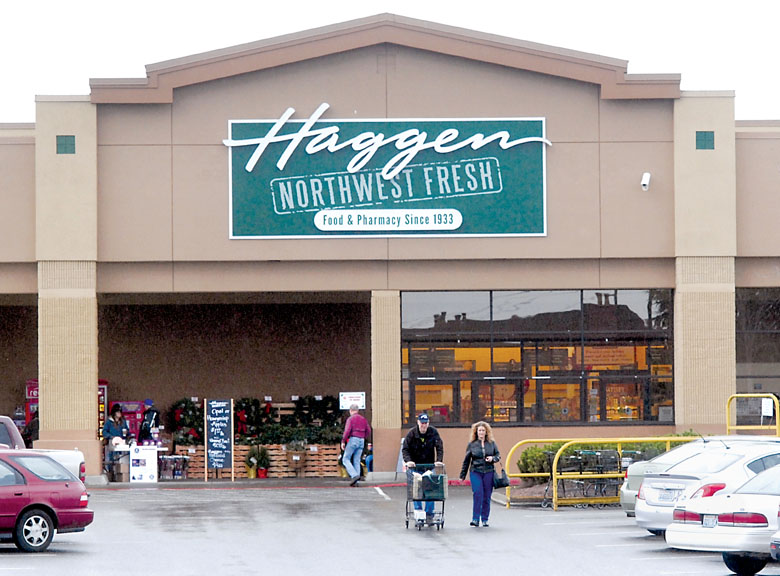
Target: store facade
point(449, 221)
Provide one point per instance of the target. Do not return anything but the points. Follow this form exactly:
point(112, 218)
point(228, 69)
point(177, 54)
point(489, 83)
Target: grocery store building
point(450, 221)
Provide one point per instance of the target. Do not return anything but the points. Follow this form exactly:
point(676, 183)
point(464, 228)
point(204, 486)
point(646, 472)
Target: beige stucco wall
point(17, 193)
point(758, 182)
point(594, 166)
point(17, 209)
point(215, 277)
point(705, 180)
point(705, 240)
point(65, 184)
point(66, 250)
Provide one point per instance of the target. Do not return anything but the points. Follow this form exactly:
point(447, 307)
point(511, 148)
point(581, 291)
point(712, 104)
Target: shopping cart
point(601, 462)
point(569, 463)
point(581, 463)
point(426, 484)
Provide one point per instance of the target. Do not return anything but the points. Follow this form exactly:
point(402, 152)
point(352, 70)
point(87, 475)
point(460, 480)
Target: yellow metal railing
point(775, 426)
point(554, 476)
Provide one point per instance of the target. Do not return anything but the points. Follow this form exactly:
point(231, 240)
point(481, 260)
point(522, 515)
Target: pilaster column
point(66, 251)
point(67, 350)
point(386, 376)
point(705, 342)
point(705, 193)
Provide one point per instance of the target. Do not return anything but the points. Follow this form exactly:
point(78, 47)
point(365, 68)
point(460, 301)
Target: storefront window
point(551, 312)
point(535, 357)
point(446, 312)
point(561, 401)
point(758, 342)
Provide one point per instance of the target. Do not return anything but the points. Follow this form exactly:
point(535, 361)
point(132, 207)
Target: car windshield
point(706, 462)
point(767, 482)
point(43, 467)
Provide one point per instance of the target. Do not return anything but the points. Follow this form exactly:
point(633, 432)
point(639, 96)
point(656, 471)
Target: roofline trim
point(163, 77)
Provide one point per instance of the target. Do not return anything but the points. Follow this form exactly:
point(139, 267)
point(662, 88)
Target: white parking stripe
point(580, 523)
point(632, 533)
point(381, 493)
point(675, 558)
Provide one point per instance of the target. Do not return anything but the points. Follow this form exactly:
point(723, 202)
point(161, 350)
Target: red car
point(38, 497)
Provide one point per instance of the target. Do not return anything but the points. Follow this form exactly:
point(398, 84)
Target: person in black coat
point(481, 455)
point(150, 422)
point(422, 445)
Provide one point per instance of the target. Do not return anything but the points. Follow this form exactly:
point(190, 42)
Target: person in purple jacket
point(356, 431)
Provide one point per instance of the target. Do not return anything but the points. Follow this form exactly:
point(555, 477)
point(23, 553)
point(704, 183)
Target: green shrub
point(533, 459)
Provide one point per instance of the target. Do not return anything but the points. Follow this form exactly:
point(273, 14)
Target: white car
point(636, 472)
point(717, 470)
point(72, 460)
point(741, 525)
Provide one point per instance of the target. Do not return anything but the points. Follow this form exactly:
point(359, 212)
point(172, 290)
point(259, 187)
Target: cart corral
point(583, 477)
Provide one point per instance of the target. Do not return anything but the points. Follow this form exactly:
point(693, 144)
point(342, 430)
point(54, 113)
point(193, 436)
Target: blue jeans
point(353, 451)
point(482, 488)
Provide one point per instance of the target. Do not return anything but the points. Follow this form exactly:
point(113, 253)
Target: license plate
point(668, 495)
point(709, 521)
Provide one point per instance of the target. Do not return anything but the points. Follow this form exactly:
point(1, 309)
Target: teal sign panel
point(386, 177)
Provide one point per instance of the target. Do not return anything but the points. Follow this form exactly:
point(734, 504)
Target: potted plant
point(252, 460)
point(296, 455)
point(263, 462)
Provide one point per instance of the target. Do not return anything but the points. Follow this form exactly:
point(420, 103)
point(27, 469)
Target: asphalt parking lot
point(329, 528)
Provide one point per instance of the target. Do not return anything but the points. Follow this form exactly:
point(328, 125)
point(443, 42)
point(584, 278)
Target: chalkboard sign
point(219, 433)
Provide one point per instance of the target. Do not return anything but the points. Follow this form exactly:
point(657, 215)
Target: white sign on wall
point(347, 399)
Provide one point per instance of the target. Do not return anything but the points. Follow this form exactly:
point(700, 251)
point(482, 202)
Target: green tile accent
point(705, 140)
point(66, 144)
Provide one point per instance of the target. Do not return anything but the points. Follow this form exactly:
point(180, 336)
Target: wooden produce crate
point(321, 462)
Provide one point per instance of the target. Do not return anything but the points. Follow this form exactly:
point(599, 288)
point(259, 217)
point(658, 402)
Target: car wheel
point(744, 565)
point(34, 531)
point(657, 532)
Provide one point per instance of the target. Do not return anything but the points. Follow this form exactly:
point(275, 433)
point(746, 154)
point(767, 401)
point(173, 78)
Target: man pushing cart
point(423, 455)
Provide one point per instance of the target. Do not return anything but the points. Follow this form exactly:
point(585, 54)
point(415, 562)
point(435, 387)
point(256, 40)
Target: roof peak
point(163, 77)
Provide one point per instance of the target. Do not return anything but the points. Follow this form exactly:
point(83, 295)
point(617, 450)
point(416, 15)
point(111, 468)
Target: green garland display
point(315, 420)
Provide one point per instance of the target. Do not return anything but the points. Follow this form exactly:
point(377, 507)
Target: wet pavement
point(324, 527)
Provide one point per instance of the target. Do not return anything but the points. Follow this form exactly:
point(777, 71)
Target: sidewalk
point(373, 479)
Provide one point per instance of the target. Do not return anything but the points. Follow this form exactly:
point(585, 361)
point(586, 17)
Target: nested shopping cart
point(426, 491)
point(580, 464)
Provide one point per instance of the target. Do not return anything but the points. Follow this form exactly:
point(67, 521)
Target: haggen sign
point(347, 178)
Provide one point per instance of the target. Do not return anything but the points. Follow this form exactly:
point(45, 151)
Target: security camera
point(646, 181)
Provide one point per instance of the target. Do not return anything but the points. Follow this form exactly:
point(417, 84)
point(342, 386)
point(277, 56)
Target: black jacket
point(475, 457)
point(151, 419)
point(423, 449)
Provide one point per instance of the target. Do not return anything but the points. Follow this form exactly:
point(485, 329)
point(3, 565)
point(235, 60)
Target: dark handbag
point(500, 479)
